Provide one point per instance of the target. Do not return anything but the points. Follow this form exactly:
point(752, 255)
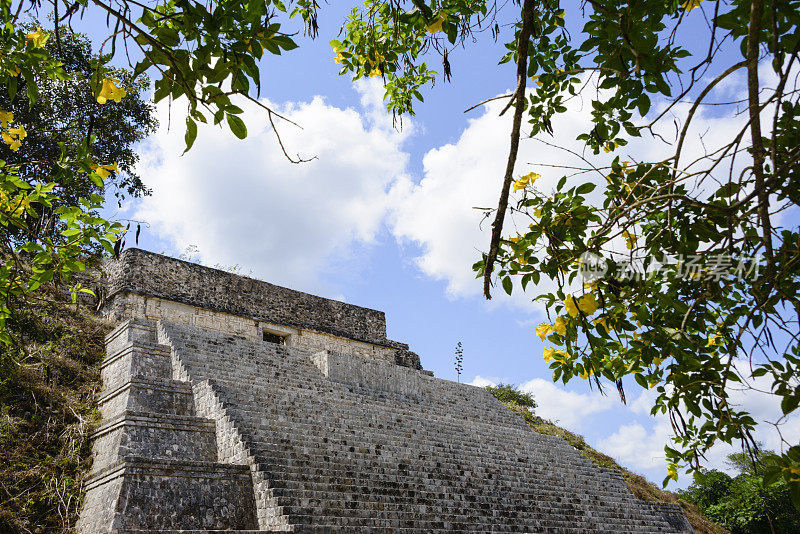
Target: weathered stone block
point(156, 436)
point(135, 360)
point(141, 493)
point(156, 395)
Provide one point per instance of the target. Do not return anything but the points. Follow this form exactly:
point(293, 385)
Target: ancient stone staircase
point(204, 430)
point(155, 461)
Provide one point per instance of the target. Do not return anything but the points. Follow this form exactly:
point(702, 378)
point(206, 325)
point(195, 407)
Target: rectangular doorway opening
point(271, 337)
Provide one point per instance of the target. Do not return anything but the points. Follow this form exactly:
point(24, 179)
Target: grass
point(49, 384)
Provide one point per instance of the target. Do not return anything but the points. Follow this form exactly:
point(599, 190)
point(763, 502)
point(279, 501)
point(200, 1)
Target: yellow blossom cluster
point(587, 304)
point(110, 91)
point(558, 354)
point(559, 327)
point(526, 180)
point(38, 38)
point(12, 136)
point(689, 5)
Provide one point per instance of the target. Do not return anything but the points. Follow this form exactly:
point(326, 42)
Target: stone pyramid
point(233, 404)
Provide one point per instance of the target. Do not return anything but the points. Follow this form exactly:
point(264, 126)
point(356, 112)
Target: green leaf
point(790, 403)
point(237, 126)
point(507, 284)
point(191, 133)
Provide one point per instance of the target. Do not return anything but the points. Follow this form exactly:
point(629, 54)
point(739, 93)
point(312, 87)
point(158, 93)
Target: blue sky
point(383, 219)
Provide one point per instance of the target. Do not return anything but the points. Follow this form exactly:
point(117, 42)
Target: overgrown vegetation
point(48, 390)
point(524, 404)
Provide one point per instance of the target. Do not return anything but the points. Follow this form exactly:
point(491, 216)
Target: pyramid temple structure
point(233, 404)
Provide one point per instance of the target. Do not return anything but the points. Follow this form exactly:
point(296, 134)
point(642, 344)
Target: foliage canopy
point(510, 393)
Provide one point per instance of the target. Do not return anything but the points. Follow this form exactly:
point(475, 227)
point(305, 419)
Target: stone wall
point(133, 306)
point(144, 273)
point(149, 286)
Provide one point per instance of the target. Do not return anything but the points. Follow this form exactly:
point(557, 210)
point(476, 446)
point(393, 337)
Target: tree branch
point(522, 76)
point(753, 35)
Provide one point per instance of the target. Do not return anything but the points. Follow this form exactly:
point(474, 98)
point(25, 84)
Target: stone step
point(333, 448)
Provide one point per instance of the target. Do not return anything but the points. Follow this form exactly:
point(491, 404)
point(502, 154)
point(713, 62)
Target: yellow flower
point(13, 136)
point(110, 91)
point(630, 239)
point(543, 330)
point(38, 38)
point(437, 25)
point(588, 304)
point(526, 180)
point(610, 146)
point(712, 341)
point(690, 4)
point(560, 326)
point(572, 306)
point(560, 14)
point(6, 117)
point(584, 374)
point(338, 58)
point(537, 212)
point(104, 171)
point(550, 353)
point(20, 132)
point(375, 72)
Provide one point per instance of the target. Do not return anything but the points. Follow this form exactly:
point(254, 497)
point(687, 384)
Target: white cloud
point(636, 447)
point(242, 203)
point(566, 408)
point(482, 382)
